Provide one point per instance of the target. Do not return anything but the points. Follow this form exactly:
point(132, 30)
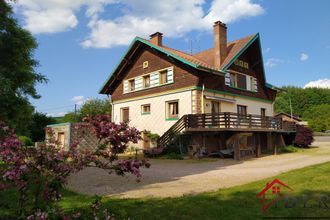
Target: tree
point(38, 124)
point(39, 174)
point(95, 107)
point(18, 76)
point(301, 99)
point(318, 117)
point(89, 108)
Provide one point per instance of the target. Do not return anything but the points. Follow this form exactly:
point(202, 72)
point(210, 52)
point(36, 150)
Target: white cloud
point(56, 114)
point(272, 62)
point(304, 56)
point(267, 50)
point(135, 17)
point(79, 100)
point(52, 16)
point(321, 83)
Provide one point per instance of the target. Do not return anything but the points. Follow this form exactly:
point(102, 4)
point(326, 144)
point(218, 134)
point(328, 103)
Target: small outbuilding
point(68, 133)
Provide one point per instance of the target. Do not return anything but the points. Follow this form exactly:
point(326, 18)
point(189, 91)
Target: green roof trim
point(138, 39)
point(270, 86)
point(239, 53)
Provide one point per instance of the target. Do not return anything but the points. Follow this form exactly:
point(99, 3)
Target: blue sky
point(81, 41)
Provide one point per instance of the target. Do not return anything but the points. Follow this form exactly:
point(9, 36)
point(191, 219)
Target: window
point(241, 110)
point(146, 81)
point(124, 114)
point(163, 77)
point(241, 81)
point(241, 63)
point(61, 138)
point(131, 85)
point(233, 80)
point(172, 109)
point(263, 112)
point(145, 109)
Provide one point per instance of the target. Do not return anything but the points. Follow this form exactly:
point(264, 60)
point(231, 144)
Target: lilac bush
point(40, 173)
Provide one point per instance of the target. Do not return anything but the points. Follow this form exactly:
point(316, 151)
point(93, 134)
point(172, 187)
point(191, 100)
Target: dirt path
point(170, 178)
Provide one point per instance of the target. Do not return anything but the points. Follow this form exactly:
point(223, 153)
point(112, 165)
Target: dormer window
point(131, 85)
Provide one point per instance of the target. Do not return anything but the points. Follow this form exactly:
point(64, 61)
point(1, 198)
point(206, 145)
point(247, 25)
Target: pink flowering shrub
point(40, 173)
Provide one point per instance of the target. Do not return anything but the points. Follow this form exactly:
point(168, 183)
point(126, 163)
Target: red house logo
point(274, 190)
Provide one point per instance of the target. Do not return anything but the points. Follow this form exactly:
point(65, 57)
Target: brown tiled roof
point(206, 58)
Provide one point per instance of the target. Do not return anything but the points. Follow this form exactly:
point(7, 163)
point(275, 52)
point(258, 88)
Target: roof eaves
point(270, 86)
point(119, 62)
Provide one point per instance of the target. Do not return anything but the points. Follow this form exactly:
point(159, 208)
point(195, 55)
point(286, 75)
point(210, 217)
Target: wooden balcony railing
point(225, 121)
point(229, 120)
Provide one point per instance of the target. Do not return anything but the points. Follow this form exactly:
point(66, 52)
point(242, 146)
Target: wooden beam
point(258, 144)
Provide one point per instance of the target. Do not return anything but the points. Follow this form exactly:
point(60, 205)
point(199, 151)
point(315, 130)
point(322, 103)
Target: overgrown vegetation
point(312, 104)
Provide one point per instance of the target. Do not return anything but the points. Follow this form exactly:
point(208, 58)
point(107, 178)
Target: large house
point(216, 96)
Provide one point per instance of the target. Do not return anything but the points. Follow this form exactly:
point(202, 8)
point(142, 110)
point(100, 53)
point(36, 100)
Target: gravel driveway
point(170, 178)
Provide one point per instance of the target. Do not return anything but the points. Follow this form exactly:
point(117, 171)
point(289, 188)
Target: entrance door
point(215, 109)
point(125, 114)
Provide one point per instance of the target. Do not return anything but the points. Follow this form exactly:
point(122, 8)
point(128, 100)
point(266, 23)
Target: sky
point(81, 41)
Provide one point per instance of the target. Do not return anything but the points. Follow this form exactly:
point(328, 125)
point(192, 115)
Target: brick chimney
point(157, 39)
point(220, 43)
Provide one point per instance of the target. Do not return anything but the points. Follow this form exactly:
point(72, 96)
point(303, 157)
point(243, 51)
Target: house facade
point(154, 87)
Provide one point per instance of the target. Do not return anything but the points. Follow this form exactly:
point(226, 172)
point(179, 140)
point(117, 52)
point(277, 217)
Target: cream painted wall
point(253, 106)
point(155, 121)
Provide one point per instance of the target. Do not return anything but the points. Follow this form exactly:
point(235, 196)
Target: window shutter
point(255, 84)
point(125, 86)
point(249, 81)
point(227, 79)
point(154, 79)
point(170, 75)
point(138, 83)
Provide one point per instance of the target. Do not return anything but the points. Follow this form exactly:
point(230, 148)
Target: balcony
point(226, 121)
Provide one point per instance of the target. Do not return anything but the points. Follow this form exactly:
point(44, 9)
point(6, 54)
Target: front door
point(125, 114)
point(215, 109)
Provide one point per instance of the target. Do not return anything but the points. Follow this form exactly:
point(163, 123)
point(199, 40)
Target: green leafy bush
point(289, 149)
point(26, 141)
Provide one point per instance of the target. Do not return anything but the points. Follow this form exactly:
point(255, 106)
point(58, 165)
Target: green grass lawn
point(238, 202)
